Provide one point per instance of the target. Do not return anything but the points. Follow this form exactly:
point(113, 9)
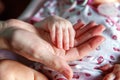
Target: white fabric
point(107, 52)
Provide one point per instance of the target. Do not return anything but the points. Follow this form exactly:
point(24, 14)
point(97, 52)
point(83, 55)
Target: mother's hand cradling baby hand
point(35, 44)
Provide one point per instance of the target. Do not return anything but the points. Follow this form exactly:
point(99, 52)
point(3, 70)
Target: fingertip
point(99, 39)
point(78, 25)
point(62, 66)
point(96, 41)
point(92, 22)
point(102, 27)
point(68, 73)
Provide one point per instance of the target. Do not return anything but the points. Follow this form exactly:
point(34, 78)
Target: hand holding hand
point(36, 45)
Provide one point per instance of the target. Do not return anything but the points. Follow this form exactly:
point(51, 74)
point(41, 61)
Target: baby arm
point(61, 31)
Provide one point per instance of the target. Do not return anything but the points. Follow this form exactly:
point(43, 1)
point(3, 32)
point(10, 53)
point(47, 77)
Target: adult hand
point(112, 72)
point(12, 70)
point(35, 45)
point(24, 39)
point(88, 38)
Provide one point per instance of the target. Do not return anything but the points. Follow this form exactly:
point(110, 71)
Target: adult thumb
point(60, 64)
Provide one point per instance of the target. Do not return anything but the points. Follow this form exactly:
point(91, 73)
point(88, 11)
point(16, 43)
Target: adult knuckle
point(35, 48)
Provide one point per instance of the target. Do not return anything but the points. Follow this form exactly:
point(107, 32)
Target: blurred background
point(12, 8)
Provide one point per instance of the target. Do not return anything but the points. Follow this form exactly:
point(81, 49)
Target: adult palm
point(35, 44)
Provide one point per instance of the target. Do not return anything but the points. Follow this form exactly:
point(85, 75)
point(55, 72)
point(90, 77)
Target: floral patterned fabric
point(107, 52)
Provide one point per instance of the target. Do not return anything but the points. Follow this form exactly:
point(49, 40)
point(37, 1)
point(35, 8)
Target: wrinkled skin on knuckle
point(35, 51)
point(56, 63)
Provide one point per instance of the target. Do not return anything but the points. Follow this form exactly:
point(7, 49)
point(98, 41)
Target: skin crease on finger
point(90, 33)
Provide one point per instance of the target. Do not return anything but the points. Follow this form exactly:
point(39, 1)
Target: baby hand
point(115, 74)
point(61, 31)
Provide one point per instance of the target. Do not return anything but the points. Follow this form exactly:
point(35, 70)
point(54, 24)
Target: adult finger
point(83, 49)
point(59, 64)
point(97, 30)
point(85, 29)
point(78, 25)
point(106, 67)
point(110, 76)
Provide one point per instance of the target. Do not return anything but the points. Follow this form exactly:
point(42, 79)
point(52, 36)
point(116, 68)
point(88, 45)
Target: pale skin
point(26, 40)
point(112, 72)
point(61, 31)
